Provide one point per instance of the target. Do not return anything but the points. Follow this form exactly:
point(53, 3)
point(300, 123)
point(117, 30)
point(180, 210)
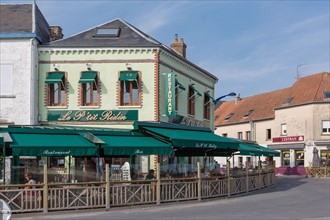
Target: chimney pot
point(55, 33)
point(179, 47)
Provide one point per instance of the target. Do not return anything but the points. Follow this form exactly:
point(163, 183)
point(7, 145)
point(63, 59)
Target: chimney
point(179, 47)
point(55, 33)
point(237, 98)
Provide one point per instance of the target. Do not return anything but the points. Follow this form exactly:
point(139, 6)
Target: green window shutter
point(54, 78)
point(128, 76)
point(87, 77)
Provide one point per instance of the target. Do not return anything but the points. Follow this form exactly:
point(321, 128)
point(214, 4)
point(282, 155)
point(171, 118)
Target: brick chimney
point(179, 47)
point(55, 33)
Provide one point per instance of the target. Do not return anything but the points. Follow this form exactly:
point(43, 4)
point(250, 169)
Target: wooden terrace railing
point(318, 171)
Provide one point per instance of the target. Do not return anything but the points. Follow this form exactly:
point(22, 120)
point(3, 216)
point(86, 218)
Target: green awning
point(208, 95)
point(87, 77)
point(177, 84)
point(267, 152)
point(25, 144)
point(54, 78)
point(197, 92)
point(134, 145)
point(128, 76)
point(189, 137)
point(249, 149)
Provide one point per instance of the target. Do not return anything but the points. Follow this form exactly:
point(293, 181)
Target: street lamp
point(229, 94)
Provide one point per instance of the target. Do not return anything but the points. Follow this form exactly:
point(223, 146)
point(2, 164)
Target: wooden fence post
point(259, 173)
point(199, 182)
point(228, 176)
point(247, 175)
point(107, 187)
point(45, 191)
point(268, 173)
point(158, 184)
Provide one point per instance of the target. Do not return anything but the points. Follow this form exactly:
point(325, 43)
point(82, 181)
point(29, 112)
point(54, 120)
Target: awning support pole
point(107, 187)
point(199, 184)
point(4, 163)
point(228, 176)
point(247, 175)
point(45, 190)
point(158, 184)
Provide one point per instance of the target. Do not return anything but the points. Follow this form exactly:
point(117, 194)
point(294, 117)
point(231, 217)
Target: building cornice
point(302, 104)
point(245, 122)
point(95, 50)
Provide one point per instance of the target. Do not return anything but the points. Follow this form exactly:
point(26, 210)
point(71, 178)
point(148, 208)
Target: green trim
point(54, 78)
point(128, 76)
point(198, 93)
point(177, 84)
point(213, 100)
point(249, 149)
point(87, 77)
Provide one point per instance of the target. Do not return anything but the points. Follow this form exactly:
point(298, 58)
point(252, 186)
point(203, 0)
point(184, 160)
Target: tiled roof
point(304, 90)
point(18, 19)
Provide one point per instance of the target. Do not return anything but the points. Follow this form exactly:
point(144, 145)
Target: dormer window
point(248, 113)
point(107, 32)
point(229, 116)
point(288, 100)
point(327, 95)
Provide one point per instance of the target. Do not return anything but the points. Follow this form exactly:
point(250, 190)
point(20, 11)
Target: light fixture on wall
point(56, 66)
point(128, 66)
point(89, 66)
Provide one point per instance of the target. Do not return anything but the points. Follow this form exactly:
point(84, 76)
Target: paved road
point(291, 198)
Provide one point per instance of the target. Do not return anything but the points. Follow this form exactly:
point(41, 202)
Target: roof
point(17, 21)
point(309, 89)
point(129, 36)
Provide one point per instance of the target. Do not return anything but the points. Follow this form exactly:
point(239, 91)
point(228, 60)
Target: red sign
point(288, 139)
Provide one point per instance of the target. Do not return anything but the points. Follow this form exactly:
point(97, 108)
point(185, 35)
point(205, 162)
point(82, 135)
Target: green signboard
point(170, 94)
point(92, 115)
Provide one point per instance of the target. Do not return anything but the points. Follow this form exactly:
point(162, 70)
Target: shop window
point(268, 134)
point(325, 157)
point(207, 107)
point(240, 135)
point(90, 89)
point(248, 135)
point(285, 158)
point(240, 162)
point(283, 130)
point(325, 127)
point(57, 162)
point(300, 157)
point(56, 91)
point(130, 88)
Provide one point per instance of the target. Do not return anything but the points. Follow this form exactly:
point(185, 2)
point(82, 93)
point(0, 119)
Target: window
point(239, 135)
point(300, 157)
point(56, 91)
point(283, 129)
point(6, 84)
point(224, 135)
point(130, 88)
point(248, 113)
point(327, 95)
point(178, 88)
point(325, 157)
point(248, 135)
point(229, 116)
point(285, 158)
point(107, 32)
point(207, 107)
point(268, 134)
point(288, 100)
point(57, 162)
point(191, 101)
point(90, 89)
point(325, 127)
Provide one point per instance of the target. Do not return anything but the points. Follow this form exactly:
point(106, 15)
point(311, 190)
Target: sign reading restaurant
point(288, 139)
point(92, 115)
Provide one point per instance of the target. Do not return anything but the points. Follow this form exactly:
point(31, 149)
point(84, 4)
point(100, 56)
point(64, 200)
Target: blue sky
point(251, 46)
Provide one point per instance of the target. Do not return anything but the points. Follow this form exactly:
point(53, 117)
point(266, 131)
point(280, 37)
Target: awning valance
point(249, 149)
point(87, 77)
point(267, 152)
point(51, 145)
point(177, 84)
point(128, 76)
point(134, 145)
point(196, 139)
point(54, 78)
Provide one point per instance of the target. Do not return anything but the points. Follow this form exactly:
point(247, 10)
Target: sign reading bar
point(288, 139)
point(93, 115)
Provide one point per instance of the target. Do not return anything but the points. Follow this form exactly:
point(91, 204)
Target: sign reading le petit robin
point(93, 115)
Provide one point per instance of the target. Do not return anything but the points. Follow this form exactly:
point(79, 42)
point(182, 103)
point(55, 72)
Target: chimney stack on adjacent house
point(179, 46)
point(55, 33)
point(237, 98)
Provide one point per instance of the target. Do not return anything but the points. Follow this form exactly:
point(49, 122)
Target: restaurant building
point(295, 121)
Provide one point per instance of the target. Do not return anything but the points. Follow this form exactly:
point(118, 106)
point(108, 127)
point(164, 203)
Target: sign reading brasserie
point(93, 115)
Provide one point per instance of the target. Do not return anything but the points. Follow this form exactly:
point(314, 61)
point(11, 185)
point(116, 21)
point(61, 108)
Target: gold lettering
point(79, 115)
point(109, 116)
point(66, 117)
point(91, 117)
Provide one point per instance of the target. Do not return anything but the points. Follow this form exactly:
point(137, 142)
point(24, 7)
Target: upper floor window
point(268, 134)
point(288, 100)
point(248, 113)
point(229, 116)
point(207, 107)
point(326, 127)
point(239, 135)
point(178, 88)
point(90, 89)
point(130, 88)
point(283, 129)
point(192, 93)
point(248, 135)
point(56, 91)
point(327, 95)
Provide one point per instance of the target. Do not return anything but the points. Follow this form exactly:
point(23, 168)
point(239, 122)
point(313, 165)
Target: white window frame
point(284, 131)
point(326, 125)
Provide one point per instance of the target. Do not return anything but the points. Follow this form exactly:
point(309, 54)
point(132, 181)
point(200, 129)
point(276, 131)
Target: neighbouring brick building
point(294, 121)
